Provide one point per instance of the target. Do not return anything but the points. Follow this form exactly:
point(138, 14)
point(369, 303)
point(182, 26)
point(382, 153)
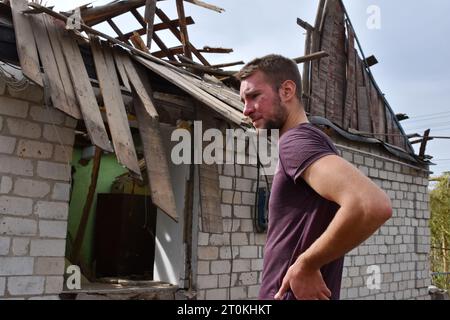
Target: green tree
point(440, 230)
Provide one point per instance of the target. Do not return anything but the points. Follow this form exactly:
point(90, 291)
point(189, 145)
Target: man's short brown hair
point(277, 69)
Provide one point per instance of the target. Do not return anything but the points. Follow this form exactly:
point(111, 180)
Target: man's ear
point(287, 90)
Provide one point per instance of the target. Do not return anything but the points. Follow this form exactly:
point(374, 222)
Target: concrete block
point(2, 286)
point(221, 266)
point(34, 149)
point(248, 198)
point(216, 294)
point(241, 265)
point(6, 184)
point(248, 278)
point(53, 229)
point(239, 239)
point(54, 284)
point(13, 107)
point(16, 206)
point(51, 210)
point(250, 172)
point(244, 184)
point(7, 144)
point(15, 165)
point(238, 293)
point(17, 226)
point(15, 266)
point(58, 134)
point(21, 246)
point(54, 171)
point(207, 282)
point(61, 192)
point(5, 243)
point(248, 252)
point(47, 115)
point(31, 188)
point(63, 154)
point(26, 285)
point(48, 248)
point(203, 267)
point(71, 122)
point(242, 212)
point(225, 182)
point(49, 266)
point(208, 253)
point(24, 128)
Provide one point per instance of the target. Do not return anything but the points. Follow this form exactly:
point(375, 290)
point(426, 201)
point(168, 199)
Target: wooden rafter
point(149, 17)
point(183, 29)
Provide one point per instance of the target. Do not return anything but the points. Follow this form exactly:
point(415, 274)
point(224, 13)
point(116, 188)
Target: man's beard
point(279, 118)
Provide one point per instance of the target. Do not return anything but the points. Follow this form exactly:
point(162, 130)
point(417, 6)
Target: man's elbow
point(380, 210)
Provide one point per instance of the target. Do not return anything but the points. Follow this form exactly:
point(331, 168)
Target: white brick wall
point(34, 195)
point(399, 248)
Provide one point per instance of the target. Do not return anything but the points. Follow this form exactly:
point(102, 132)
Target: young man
point(321, 206)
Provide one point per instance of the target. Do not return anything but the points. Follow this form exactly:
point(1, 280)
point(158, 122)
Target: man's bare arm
point(364, 207)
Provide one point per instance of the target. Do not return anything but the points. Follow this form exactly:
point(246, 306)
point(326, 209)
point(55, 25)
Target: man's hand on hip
point(304, 283)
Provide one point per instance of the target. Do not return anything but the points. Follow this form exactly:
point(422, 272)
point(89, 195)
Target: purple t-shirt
point(297, 214)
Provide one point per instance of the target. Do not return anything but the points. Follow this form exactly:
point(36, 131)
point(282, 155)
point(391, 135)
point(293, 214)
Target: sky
point(410, 44)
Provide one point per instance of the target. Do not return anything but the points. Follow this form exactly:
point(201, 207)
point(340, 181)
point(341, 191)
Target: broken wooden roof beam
point(206, 5)
point(229, 64)
point(149, 18)
point(310, 57)
point(207, 49)
point(305, 25)
point(183, 29)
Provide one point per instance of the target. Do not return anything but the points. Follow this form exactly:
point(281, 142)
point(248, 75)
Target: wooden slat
point(351, 80)
point(186, 85)
point(138, 42)
point(48, 60)
point(210, 200)
point(140, 85)
point(26, 46)
point(364, 123)
point(206, 5)
point(115, 108)
point(53, 29)
point(183, 29)
point(121, 68)
point(149, 17)
point(306, 72)
point(156, 161)
point(85, 93)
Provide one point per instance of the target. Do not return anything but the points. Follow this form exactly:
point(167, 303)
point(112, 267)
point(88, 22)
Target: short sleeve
point(301, 147)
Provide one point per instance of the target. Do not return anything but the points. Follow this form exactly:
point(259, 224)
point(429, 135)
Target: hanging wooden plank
point(149, 17)
point(26, 46)
point(115, 108)
point(364, 123)
point(141, 86)
point(53, 29)
point(183, 29)
point(221, 108)
point(351, 79)
point(117, 53)
point(155, 158)
point(138, 43)
point(49, 64)
point(85, 93)
point(210, 199)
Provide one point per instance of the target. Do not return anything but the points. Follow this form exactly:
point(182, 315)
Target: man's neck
point(294, 118)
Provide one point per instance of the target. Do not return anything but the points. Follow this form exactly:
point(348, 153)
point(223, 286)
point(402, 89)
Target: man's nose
point(248, 109)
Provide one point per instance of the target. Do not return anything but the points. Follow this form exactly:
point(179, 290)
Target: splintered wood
point(26, 46)
point(340, 87)
point(115, 108)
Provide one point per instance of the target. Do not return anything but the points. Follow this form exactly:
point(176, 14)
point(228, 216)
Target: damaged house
point(89, 188)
